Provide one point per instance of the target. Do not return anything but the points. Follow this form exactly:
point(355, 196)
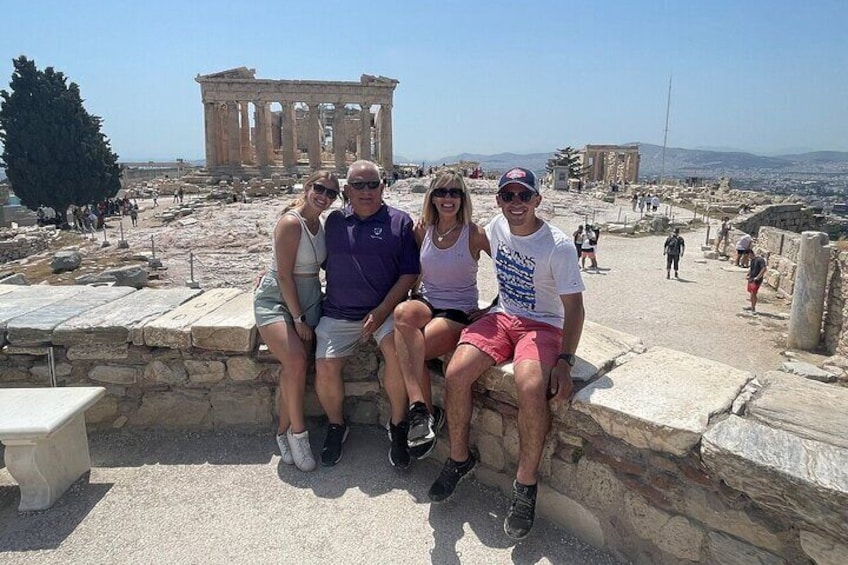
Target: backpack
point(672, 245)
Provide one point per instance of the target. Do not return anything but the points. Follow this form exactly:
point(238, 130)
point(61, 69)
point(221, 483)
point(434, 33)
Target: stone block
point(822, 550)
point(725, 550)
point(361, 388)
point(173, 329)
point(488, 421)
point(662, 400)
point(183, 409)
point(97, 352)
point(805, 408)
point(241, 408)
point(593, 483)
point(43, 371)
point(230, 327)
point(808, 371)
point(65, 261)
point(204, 371)
point(708, 509)
point(491, 451)
point(675, 535)
point(157, 371)
point(114, 374)
point(134, 276)
point(243, 369)
point(801, 478)
point(105, 410)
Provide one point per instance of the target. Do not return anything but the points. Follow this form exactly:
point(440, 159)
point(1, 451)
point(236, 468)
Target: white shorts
point(335, 339)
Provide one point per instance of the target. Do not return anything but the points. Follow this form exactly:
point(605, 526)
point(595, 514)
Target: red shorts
point(503, 337)
point(754, 286)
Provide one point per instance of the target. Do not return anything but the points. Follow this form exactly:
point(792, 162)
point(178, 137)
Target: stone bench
point(43, 430)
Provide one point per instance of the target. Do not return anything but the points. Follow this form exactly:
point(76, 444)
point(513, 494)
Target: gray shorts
point(336, 338)
point(268, 305)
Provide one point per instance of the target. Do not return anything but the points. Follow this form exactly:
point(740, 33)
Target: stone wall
point(661, 458)
point(782, 246)
point(22, 242)
point(790, 217)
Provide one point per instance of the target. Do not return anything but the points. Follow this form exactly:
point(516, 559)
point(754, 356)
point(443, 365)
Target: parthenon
point(294, 122)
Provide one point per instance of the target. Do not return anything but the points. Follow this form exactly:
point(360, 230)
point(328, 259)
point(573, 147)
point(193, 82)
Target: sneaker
point(420, 425)
point(301, 450)
point(285, 450)
point(398, 452)
point(452, 473)
point(331, 453)
point(522, 511)
point(424, 450)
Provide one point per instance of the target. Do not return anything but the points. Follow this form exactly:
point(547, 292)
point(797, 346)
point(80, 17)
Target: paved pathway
point(226, 498)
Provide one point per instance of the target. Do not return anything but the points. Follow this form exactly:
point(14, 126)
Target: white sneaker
point(301, 451)
point(285, 450)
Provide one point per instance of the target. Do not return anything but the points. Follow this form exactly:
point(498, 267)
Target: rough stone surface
point(173, 329)
point(243, 369)
point(65, 261)
point(807, 370)
point(119, 375)
point(160, 372)
point(726, 550)
point(627, 405)
point(97, 352)
point(241, 408)
point(231, 327)
point(132, 275)
point(204, 371)
point(185, 409)
point(675, 535)
point(822, 550)
point(805, 408)
point(805, 479)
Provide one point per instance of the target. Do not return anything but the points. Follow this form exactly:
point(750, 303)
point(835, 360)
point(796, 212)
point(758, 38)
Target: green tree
point(53, 150)
point(567, 157)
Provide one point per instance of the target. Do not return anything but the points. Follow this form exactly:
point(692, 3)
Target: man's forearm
point(572, 326)
point(398, 292)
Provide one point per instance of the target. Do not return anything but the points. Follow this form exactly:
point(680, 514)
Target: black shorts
point(451, 314)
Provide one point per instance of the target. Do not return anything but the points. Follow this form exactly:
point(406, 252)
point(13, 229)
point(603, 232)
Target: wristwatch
point(301, 319)
point(568, 358)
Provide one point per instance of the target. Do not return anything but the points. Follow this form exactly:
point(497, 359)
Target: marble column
point(262, 134)
point(221, 134)
point(339, 137)
point(386, 156)
point(288, 135)
point(805, 317)
point(246, 153)
point(233, 133)
point(210, 122)
point(313, 136)
point(365, 131)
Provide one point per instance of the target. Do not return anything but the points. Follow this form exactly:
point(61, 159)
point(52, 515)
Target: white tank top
point(311, 249)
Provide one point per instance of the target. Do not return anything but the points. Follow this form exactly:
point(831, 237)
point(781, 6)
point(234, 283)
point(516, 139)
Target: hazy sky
point(475, 76)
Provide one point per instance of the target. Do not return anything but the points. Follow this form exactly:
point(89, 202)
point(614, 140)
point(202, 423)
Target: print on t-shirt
point(515, 278)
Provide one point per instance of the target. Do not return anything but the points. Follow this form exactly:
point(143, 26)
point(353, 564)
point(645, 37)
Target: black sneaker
point(423, 450)
point(451, 474)
point(331, 453)
point(420, 425)
point(522, 511)
point(398, 452)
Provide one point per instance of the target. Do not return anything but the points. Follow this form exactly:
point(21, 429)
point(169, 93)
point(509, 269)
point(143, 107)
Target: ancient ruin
point(611, 163)
point(266, 124)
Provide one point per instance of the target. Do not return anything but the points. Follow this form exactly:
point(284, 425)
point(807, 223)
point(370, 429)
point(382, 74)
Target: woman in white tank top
point(287, 307)
point(428, 325)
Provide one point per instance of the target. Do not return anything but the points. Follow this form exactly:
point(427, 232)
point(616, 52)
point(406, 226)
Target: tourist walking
point(744, 249)
point(577, 237)
point(723, 237)
point(372, 262)
point(655, 203)
point(287, 306)
point(634, 200)
point(673, 251)
point(588, 247)
point(445, 301)
point(756, 274)
point(134, 215)
point(642, 199)
point(537, 323)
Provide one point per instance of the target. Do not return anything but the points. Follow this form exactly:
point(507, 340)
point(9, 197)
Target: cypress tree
point(53, 150)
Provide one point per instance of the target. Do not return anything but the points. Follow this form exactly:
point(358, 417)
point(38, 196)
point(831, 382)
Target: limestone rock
point(68, 260)
point(204, 371)
point(160, 372)
point(185, 409)
point(115, 374)
point(807, 370)
point(675, 535)
point(132, 275)
point(726, 550)
point(16, 278)
point(237, 408)
point(824, 551)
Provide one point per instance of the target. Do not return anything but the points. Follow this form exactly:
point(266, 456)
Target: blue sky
point(475, 76)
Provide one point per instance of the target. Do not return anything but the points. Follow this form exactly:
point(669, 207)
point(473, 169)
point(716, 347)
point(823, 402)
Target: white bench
point(43, 430)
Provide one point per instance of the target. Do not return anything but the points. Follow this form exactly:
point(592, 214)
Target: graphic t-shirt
point(533, 271)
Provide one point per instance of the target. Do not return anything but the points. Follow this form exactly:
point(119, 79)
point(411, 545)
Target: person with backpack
point(673, 251)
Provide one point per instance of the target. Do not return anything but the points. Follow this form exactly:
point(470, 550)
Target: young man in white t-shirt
point(537, 323)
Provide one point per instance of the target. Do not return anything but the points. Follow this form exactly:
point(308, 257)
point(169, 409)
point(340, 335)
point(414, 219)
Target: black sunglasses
point(443, 192)
point(363, 184)
point(331, 193)
point(524, 195)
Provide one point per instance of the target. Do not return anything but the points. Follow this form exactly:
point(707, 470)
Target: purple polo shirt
point(365, 258)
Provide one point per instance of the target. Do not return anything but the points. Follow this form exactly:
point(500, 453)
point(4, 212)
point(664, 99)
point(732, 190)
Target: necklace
point(441, 236)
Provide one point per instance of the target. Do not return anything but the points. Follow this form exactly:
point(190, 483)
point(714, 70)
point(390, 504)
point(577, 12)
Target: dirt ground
point(701, 313)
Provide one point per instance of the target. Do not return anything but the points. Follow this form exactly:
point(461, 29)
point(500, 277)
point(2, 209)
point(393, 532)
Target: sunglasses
point(445, 192)
point(331, 193)
point(363, 184)
point(524, 195)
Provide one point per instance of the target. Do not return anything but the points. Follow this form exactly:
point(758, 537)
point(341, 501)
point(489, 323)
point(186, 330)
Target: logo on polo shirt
point(377, 233)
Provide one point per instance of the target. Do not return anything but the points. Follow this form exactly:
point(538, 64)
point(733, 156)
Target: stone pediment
point(238, 72)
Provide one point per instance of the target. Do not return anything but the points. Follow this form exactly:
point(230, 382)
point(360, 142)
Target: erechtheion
point(260, 123)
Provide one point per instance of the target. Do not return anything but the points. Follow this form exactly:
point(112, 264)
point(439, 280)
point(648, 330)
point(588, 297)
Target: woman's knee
point(412, 313)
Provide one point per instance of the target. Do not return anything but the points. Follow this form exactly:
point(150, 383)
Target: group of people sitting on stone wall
point(412, 288)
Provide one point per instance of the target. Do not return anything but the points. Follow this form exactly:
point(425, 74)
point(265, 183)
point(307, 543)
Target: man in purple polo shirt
point(372, 262)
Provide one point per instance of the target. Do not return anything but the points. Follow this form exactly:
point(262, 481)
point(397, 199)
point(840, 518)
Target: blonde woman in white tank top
point(287, 307)
point(426, 331)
